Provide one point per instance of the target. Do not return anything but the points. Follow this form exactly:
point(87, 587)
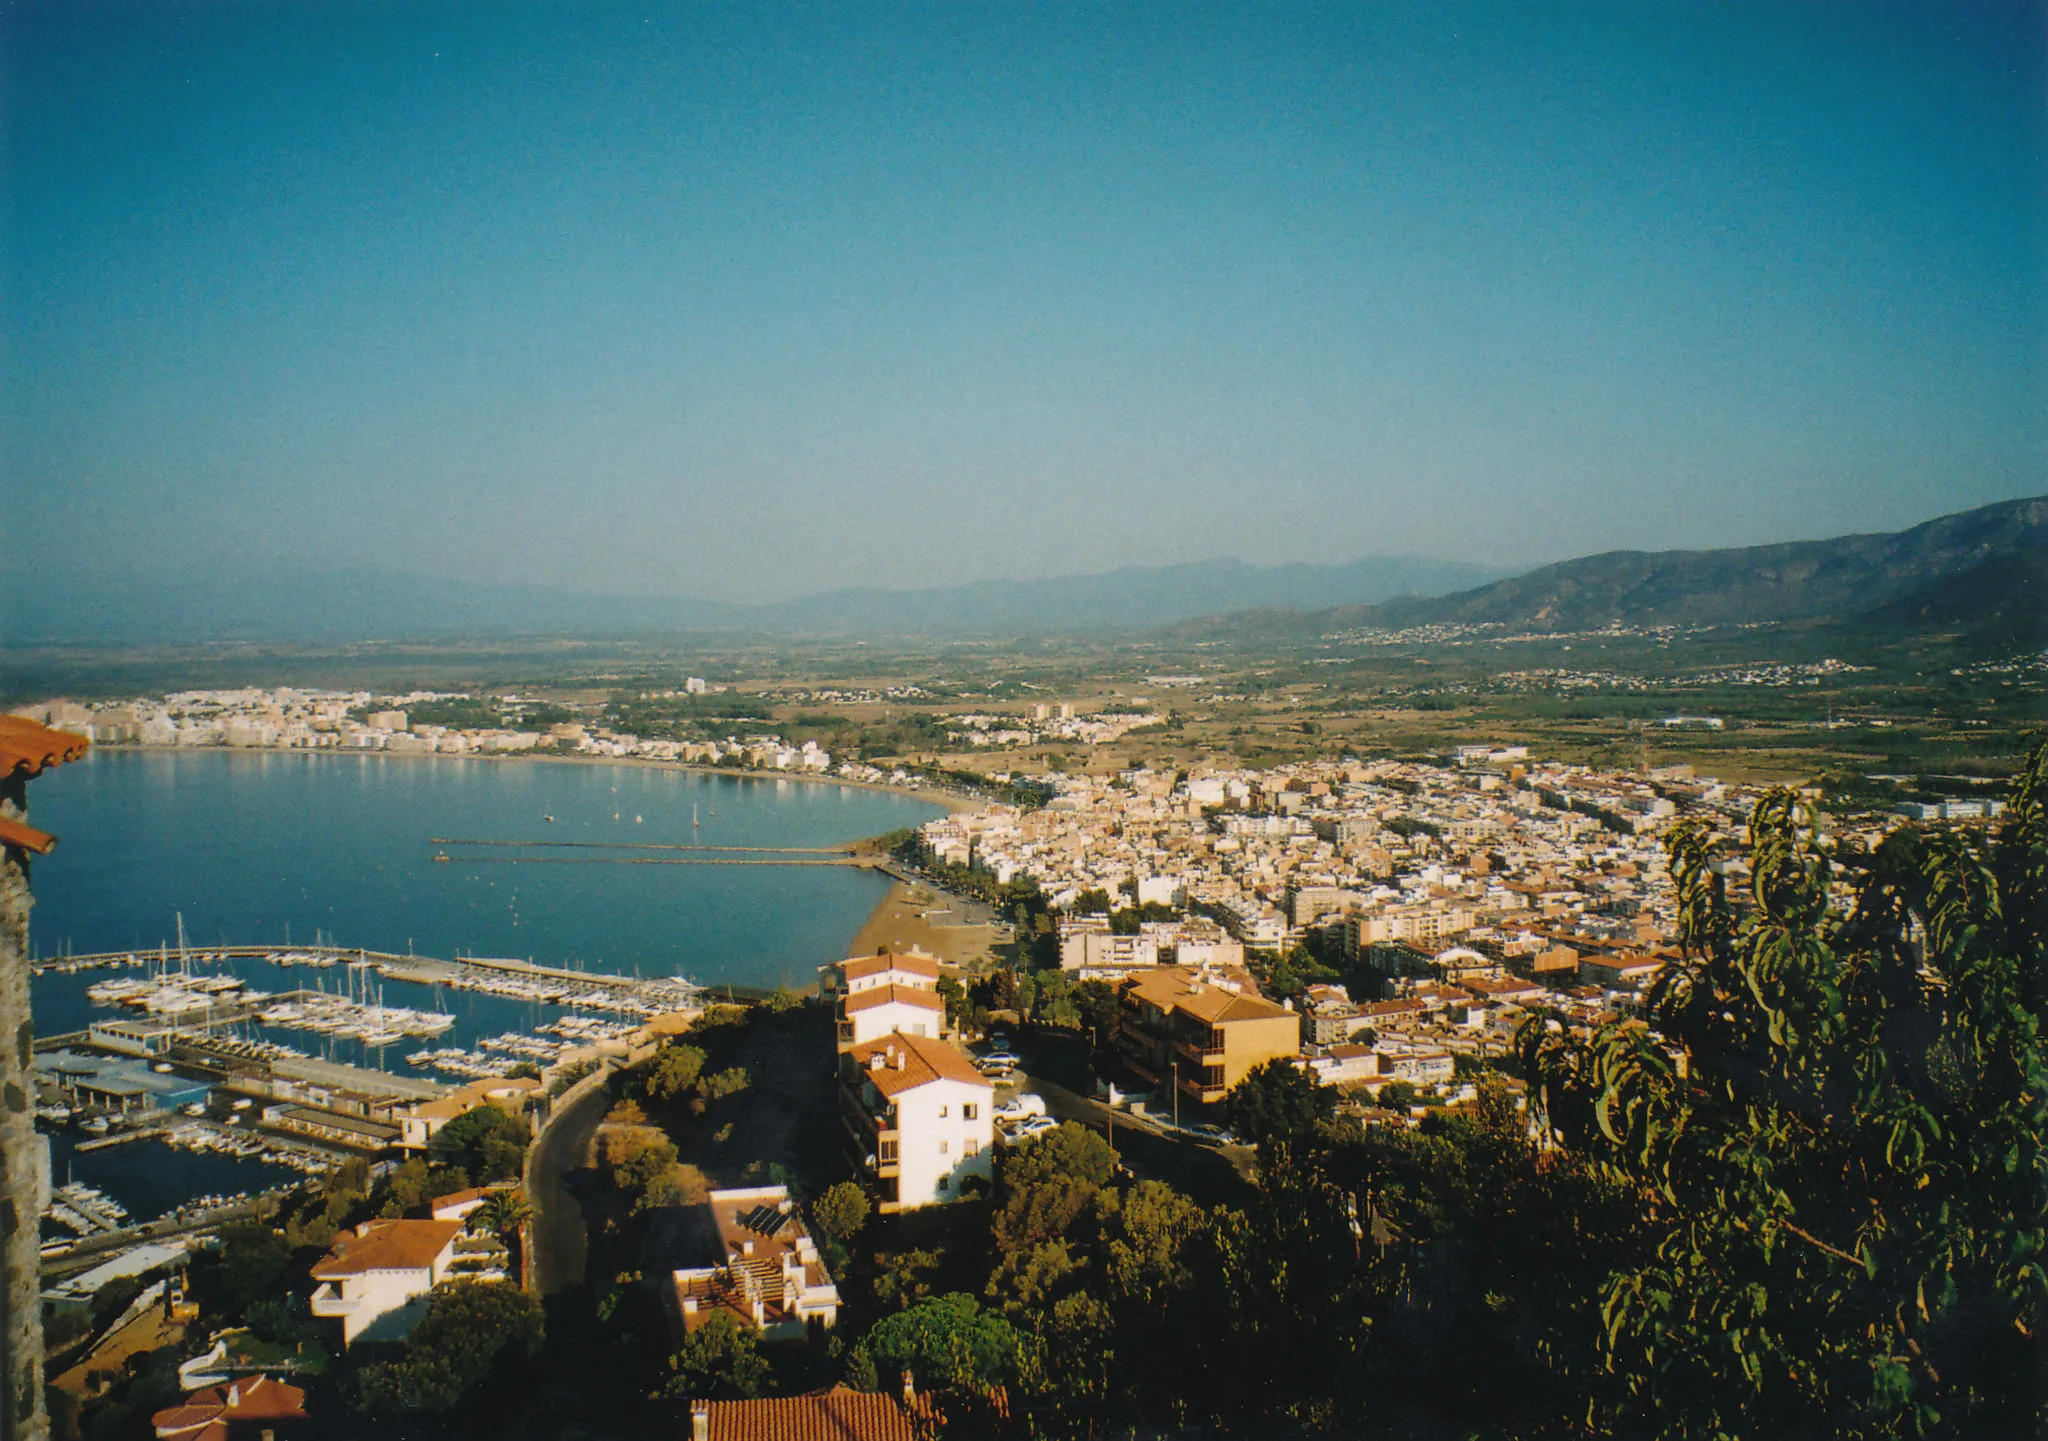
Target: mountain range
point(282, 604)
point(1980, 576)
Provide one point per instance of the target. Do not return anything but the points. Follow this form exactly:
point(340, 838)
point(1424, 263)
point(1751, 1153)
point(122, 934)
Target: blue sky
point(745, 302)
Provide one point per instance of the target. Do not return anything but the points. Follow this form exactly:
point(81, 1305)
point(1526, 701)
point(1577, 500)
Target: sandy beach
point(911, 914)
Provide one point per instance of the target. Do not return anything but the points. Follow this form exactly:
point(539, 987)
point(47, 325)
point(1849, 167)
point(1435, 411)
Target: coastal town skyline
point(967, 722)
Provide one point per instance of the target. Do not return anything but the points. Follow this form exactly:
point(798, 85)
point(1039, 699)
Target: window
point(942, 1147)
point(942, 1113)
point(968, 1112)
point(973, 1146)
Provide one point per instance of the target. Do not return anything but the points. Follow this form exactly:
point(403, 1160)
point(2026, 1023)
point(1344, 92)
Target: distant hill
point(1998, 604)
point(285, 605)
point(1939, 575)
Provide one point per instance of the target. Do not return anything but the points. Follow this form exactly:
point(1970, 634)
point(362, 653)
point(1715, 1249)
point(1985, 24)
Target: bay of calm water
point(261, 848)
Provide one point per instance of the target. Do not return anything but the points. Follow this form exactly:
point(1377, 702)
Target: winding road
point(560, 1245)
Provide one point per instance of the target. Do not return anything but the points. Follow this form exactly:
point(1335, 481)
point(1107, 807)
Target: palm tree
point(502, 1214)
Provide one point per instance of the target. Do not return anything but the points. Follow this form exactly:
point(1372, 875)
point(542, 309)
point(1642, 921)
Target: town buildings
point(919, 1117)
point(242, 1410)
point(838, 1413)
point(1201, 1032)
point(375, 1279)
point(765, 1269)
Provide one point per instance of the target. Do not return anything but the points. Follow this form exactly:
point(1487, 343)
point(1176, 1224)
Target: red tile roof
point(29, 747)
point(838, 1414)
point(23, 837)
point(206, 1415)
point(386, 1246)
point(912, 1061)
point(902, 995)
point(861, 967)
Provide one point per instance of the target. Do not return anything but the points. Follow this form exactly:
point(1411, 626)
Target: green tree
point(247, 1267)
point(948, 1343)
point(1029, 1278)
point(1098, 1006)
point(1837, 1130)
point(469, 1353)
point(638, 1157)
point(841, 1211)
point(729, 1082)
point(501, 1215)
point(674, 1071)
point(1397, 1095)
point(1277, 1105)
point(720, 1358)
point(902, 1277)
point(1146, 1263)
point(1044, 1184)
point(484, 1142)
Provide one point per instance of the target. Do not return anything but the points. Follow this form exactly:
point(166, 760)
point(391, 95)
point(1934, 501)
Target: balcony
point(328, 1301)
point(1207, 1051)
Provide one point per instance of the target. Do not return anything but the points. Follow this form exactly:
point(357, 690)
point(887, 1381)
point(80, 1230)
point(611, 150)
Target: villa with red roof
point(375, 1279)
point(879, 1010)
point(239, 1411)
point(920, 1118)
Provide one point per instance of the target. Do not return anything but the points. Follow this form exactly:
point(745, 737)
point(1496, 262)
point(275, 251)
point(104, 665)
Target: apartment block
point(920, 1118)
point(1182, 1028)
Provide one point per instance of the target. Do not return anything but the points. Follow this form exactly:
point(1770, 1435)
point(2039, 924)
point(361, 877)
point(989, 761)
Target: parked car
point(1035, 1126)
point(1215, 1135)
point(1021, 1108)
point(997, 1061)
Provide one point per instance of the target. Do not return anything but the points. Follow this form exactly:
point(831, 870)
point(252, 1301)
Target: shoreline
point(950, 801)
point(899, 921)
point(893, 921)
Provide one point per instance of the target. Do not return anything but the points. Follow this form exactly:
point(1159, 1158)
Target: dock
point(556, 985)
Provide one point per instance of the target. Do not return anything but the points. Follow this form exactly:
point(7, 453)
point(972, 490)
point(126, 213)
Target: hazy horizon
point(752, 305)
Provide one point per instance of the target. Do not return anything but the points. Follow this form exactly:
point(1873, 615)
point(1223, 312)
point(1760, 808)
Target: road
point(1213, 1175)
point(90, 1250)
point(560, 1246)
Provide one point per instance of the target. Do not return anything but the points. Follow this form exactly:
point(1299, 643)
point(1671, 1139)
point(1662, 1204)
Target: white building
point(376, 1277)
point(912, 969)
point(767, 1272)
point(920, 1117)
point(880, 1010)
point(1088, 946)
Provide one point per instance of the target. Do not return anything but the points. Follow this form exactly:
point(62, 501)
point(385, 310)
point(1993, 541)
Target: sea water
point(276, 848)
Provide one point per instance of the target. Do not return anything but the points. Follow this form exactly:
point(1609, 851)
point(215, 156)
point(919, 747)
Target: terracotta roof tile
point(838, 1414)
point(386, 1246)
point(30, 746)
point(206, 1415)
point(1173, 988)
point(924, 1061)
point(24, 837)
point(900, 995)
point(861, 967)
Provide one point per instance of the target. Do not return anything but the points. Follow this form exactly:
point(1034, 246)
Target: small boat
point(441, 858)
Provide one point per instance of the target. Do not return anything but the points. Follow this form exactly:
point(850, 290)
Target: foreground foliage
point(1838, 1133)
